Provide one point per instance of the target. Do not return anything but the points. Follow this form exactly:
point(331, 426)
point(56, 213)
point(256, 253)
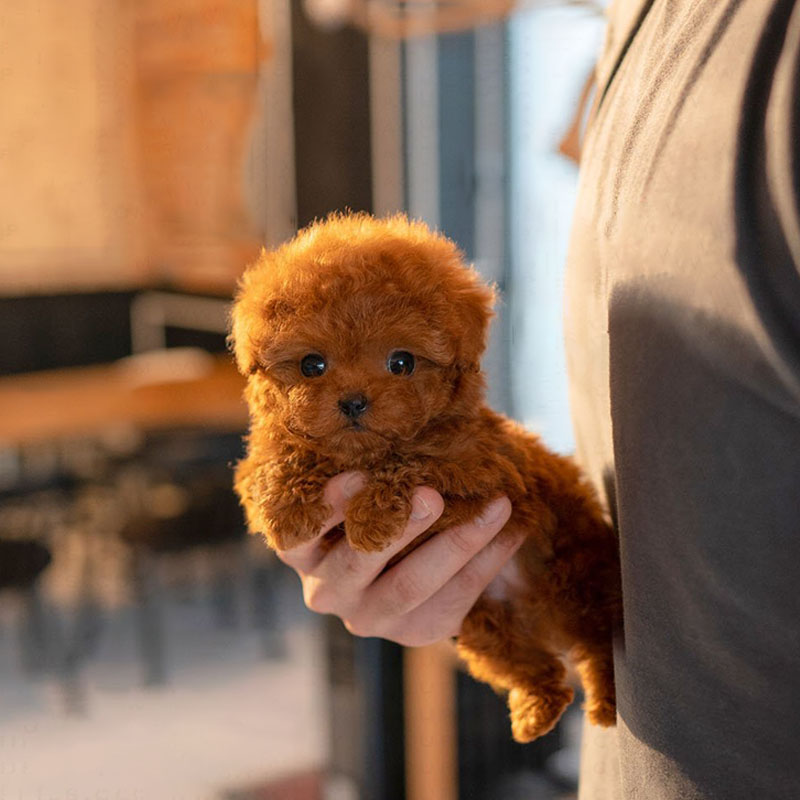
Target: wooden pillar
point(431, 720)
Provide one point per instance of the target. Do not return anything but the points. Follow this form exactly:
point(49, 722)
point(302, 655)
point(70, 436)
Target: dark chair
point(22, 561)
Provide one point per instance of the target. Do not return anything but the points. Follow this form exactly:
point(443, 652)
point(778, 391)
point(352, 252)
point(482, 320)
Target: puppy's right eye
point(313, 365)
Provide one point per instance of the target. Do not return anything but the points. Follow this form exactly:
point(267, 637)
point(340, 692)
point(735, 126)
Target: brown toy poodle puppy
point(361, 340)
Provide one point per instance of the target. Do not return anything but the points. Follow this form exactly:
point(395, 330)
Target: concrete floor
point(226, 716)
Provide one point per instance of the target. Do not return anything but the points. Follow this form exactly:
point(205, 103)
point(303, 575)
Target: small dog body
point(361, 339)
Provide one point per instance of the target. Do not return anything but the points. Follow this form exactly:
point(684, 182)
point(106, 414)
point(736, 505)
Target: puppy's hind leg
point(595, 665)
point(516, 661)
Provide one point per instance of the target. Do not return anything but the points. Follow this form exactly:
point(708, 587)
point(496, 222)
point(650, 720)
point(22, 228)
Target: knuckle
point(506, 542)
point(355, 627)
point(297, 561)
point(420, 630)
point(471, 579)
point(363, 623)
point(400, 634)
point(349, 562)
point(409, 640)
point(403, 592)
point(455, 612)
point(460, 541)
point(418, 638)
point(318, 596)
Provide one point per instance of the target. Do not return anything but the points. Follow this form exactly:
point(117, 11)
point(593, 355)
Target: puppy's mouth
point(353, 426)
point(359, 434)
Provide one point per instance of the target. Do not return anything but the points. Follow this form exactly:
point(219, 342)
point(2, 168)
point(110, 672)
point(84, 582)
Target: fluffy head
point(356, 291)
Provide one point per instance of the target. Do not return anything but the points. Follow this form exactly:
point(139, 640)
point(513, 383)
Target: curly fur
point(353, 289)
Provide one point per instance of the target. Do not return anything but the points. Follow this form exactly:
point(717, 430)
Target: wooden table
point(86, 400)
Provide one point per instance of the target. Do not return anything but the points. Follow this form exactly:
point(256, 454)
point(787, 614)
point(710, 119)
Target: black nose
point(354, 405)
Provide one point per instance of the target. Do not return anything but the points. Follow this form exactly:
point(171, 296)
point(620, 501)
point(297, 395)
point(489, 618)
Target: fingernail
point(419, 509)
point(352, 485)
point(492, 513)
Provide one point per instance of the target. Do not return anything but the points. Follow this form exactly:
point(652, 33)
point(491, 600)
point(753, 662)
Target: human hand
point(426, 595)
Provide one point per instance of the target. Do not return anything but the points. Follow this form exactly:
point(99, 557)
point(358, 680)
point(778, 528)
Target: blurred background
point(148, 149)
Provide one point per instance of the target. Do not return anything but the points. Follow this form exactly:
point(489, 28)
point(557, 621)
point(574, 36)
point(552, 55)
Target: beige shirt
point(683, 341)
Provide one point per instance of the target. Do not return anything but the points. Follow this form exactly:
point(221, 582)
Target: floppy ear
point(258, 312)
point(240, 341)
point(244, 319)
point(474, 303)
point(255, 324)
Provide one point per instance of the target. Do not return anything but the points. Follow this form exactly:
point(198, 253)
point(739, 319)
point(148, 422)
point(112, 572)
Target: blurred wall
point(70, 206)
point(197, 67)
point(124, 133)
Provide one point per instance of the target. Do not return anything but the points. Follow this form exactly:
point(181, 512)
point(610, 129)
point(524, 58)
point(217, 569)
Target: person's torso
point(683, 346)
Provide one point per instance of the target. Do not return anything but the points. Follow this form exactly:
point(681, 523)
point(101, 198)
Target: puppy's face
point(357, 377)
point(354, 343)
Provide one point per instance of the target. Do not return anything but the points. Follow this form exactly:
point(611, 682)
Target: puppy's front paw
point(375, 517)
point(287, 508)
point(292, 524)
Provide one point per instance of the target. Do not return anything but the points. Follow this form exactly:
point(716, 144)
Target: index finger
point(338, 490)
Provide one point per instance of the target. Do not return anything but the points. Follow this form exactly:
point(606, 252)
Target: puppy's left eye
point(313, 365)
point(400, 362)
